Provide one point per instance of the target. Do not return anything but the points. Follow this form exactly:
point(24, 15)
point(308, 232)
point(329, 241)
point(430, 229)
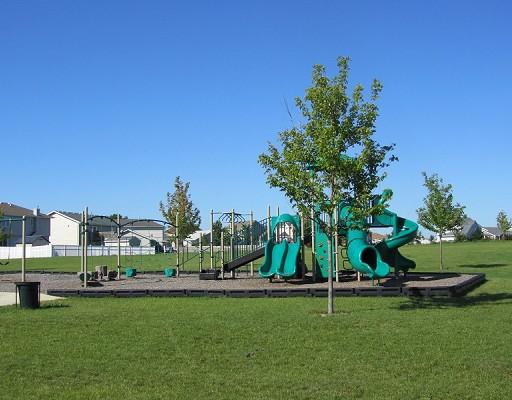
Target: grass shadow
point(496, 265)
point(416, 303)
point(53, 304)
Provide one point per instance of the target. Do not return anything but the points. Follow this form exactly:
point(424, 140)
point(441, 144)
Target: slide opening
point(369, 257)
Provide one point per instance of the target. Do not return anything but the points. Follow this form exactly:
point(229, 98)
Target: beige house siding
point(63, 230)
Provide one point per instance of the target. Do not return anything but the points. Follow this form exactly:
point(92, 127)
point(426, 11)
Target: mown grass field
point(198, 348)
point(154, 262)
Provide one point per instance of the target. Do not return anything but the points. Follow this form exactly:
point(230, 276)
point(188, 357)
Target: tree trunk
point(441, 251)
point(330, 288)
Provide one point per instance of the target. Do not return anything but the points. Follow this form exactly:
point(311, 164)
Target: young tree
point(439, 214)
point(179, 203)
point(504, 223)
point(217, 229)
point(312, 166)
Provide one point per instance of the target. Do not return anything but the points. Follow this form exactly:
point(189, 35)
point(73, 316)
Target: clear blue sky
point(103, 103)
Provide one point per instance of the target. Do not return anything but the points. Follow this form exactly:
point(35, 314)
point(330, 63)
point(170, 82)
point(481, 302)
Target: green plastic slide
point(266, 268)
point(404, 231)
point(364, 257)
point(289, 266)
point(281, 258)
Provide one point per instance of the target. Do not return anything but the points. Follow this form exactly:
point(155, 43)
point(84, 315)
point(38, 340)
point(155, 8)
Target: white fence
point(30, 252)
point(71, 250)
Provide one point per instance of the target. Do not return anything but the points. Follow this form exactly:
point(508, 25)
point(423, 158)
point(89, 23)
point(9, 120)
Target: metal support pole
point(177, 247)
point(81, 235)
point(251, 241)
point(222, 254)
point(232, 239)
point(302, 257)
point(313, 240)
point(118, 247)
point(24, 246)
point(336, 260)
point(86, 218)
point(269, 223)
point(277, 211)
point(200, 252)
point(211, 239)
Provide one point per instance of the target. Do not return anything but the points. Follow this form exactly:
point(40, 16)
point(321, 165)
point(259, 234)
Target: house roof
point(493, 230)
point(13, 210)
point(33, 239)
point(72, 215)
point(105, 221)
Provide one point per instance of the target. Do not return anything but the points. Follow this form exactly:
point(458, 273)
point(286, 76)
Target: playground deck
point(152, 284)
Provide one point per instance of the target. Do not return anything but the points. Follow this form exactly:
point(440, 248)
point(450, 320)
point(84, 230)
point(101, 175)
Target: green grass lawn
point(153, 262)
point(198, 348)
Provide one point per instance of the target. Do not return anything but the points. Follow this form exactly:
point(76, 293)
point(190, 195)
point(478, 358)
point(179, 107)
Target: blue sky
point(103, 103)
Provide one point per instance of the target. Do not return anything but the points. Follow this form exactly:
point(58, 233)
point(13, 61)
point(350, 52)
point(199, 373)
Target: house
point(193, 239)
point(65, 230)
point(493, 233)
point(37, 225)
point(469, 228)
point(375, 237)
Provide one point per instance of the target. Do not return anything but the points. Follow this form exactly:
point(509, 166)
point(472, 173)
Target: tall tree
point(504, 223)
point(440, 214)
point(179, 203)
point(312, 166)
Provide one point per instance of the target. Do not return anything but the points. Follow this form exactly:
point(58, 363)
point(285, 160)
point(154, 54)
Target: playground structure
point(236, 240)
point(281, 243)
point(280, 240)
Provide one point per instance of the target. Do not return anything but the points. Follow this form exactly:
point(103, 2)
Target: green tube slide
point(364, 257)
point(405, 231)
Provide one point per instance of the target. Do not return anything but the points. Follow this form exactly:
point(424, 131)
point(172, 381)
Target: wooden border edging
point(374, 291)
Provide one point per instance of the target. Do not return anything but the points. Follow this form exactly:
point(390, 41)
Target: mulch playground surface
point(156, 284)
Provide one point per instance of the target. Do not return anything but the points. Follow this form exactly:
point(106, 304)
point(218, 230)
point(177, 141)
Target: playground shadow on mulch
point(401, 280)
point(415, 303)
point(482, 265)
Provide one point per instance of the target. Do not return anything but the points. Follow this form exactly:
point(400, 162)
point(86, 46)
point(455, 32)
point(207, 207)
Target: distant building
point(375, 237)
point(468, 229)
point(37, 225)
point(65, 230)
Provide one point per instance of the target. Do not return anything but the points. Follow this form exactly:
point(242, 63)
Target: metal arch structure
point(120, 226)
point(120, 233)
point(229, 217)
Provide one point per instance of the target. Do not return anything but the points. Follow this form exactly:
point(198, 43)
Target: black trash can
point(29, 294)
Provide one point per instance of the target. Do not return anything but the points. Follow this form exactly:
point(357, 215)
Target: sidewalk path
point(7, 298)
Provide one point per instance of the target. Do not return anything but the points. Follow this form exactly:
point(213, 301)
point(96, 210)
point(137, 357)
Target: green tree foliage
point(477, 234)
point(114, 216)
point(217, 229)
point(504, 223)
point(179, 203)
point(440, 214)
point(332, 156)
